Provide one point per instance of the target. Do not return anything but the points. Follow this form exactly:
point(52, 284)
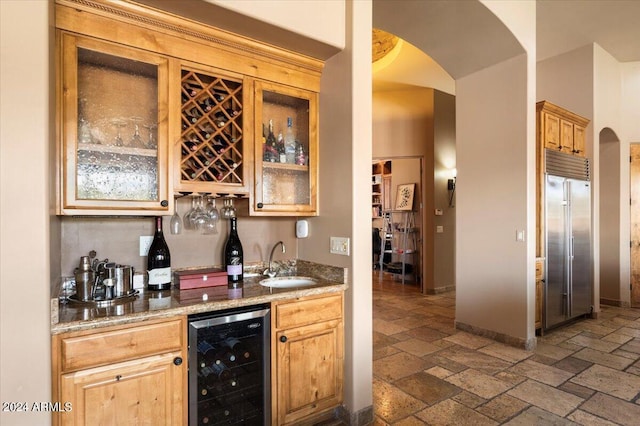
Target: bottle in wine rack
point(193, 115)
point(219, 144)
point(190, 89)
point(206, 104)
point(240, 349)
point(191, 144)
point(159, 261)
point(206, 353)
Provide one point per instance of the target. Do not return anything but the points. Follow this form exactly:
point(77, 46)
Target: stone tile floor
point(427, 372)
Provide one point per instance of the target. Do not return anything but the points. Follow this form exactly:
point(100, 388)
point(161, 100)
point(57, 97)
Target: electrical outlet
point(339, 245)
point(145, 243)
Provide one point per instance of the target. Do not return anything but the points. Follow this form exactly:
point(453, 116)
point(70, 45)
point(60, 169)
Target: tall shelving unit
point(400, 240)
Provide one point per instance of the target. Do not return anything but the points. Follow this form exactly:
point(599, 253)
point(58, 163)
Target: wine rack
point(212, 135)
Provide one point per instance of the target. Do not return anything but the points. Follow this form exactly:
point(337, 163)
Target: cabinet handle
point(118, 377)
point(283, 339)
point(177, 360)
point(260, 205)
point(164, 203)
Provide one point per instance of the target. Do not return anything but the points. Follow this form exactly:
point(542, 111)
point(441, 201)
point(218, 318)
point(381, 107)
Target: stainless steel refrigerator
point(568, 283)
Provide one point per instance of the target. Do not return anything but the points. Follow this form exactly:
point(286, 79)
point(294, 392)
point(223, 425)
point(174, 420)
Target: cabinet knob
point(118, 377)
point(164, 203)
point(260, 205)
point(177, 360)
point(283, 339)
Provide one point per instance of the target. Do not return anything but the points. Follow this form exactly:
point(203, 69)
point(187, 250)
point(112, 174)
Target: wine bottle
point(239, 348)
point(206, 104)
point(190, 89)
point(290, 143)
point(281, 155)
point(233, 255)
point(272, 144)
point(301, 158)
point(159, 261)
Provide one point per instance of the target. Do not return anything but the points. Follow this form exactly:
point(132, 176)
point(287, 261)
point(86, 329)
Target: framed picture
point(404, 196)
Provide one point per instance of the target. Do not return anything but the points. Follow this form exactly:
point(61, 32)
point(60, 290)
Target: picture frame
point(404, 196)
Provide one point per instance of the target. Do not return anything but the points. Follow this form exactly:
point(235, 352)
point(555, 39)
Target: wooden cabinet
point(211, 147)
point(307, 358)
point(177, 106)
point(560, 129)
point(285, 184)
point(539, 293)
point(113, 129)
point(132, 374)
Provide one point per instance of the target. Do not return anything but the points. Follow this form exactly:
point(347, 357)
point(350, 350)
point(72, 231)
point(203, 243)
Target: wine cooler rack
point(211, 138)
point(229, 367)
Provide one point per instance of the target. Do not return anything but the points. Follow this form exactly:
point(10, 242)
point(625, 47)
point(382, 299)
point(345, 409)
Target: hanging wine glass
point(211, 224)
point(176, 221)
point(186, 219)
point(198, 218)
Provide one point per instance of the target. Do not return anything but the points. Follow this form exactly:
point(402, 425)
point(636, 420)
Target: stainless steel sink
point(288, 282)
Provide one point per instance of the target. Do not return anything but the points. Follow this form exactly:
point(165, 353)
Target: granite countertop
point(69, 316)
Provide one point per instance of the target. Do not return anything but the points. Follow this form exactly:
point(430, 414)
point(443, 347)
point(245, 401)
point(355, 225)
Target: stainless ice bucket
point(122, 276)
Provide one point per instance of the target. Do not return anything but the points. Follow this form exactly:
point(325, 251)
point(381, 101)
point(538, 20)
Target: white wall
point(493, 286)
point(24, 208)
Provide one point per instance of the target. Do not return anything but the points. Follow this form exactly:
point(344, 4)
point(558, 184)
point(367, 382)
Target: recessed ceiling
point(382, 43)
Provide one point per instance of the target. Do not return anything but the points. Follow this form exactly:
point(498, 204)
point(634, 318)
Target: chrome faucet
point(270, 272)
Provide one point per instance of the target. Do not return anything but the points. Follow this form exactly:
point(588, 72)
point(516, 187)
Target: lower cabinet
point(307, 358)
point(135, 374)
point(539, 293)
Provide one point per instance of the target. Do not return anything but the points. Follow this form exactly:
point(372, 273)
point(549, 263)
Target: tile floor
point(427, 372)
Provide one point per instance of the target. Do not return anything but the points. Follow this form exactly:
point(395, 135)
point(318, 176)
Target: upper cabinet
point(560, 129)
point(212, 140)
point(150, 105)
point(113, 129)
point(286, 156)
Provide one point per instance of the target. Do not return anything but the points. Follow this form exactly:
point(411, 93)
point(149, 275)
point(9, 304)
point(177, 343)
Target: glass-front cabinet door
point(286, 153)
point(113, 131)
point(211, 140)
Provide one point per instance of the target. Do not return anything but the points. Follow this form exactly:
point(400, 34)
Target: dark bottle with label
point(159, 261)
point(233, 256)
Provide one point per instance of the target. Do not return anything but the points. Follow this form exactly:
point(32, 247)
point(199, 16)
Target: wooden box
point(200, 278)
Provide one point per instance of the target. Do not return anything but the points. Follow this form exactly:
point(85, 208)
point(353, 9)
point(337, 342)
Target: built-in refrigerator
point(568, 282)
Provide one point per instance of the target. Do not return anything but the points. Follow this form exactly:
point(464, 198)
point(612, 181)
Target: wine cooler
point(229, 367)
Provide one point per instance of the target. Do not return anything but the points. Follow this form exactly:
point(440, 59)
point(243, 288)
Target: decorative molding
point(153, 18)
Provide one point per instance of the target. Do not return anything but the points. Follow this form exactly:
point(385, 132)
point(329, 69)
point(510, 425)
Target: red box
point(199, 278)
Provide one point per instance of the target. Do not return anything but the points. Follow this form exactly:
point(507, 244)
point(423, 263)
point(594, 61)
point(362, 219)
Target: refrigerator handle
point(571, 248)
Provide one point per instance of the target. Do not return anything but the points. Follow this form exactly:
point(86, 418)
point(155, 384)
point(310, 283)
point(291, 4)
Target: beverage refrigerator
point(568, 283)
point(229, 367)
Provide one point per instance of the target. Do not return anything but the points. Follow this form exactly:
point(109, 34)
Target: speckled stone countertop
point(69, 316)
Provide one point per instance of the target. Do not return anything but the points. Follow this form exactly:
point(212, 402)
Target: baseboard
point(613, 302)
point(359, 418)
point(518, 342)
point(440, 290)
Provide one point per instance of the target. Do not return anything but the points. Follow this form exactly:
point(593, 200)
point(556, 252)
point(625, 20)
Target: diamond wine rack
point(211, 135)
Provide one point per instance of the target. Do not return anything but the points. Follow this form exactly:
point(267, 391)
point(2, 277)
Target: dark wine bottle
point(159, 261)
point(271, 154)
point(242, 352)
point(233, 256)
point(191, 90)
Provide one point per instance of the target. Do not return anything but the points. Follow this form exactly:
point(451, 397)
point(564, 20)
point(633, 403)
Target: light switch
point(520, 235)
point(339, 245)
point(439, 229)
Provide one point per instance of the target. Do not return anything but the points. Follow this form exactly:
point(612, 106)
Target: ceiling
point(564, 25)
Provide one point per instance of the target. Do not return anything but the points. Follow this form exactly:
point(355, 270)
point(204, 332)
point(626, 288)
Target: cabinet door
point(566, 136)
point(551, 131)
point(309, 372)
point(113, 129)
point(578, 140)
point(144, 391)
point(212, 138)
point(285, 185)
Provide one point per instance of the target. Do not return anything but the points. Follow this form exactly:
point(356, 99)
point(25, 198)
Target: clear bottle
point(233, 256)
point(290, 142)
point(159, 261)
